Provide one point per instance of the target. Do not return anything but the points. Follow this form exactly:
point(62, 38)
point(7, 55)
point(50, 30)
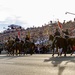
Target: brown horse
point(17, 47)
point(72, 43)
point(59, 43)
point(51, 38)
point(8, 47)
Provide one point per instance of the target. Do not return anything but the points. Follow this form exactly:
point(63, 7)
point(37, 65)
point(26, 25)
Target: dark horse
point(13, 47)
point(60, 43)
point(18, 47)
point(29, 47)
point(72, 43)
point(8, 47)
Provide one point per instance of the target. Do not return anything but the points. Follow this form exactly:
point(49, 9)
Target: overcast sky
point(34, 12)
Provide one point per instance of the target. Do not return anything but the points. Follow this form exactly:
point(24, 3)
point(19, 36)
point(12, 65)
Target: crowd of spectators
point(36, 33)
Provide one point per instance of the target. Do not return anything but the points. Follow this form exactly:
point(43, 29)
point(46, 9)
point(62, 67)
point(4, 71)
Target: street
point(37, 64)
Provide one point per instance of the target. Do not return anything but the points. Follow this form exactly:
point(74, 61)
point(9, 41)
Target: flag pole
point(60, 27)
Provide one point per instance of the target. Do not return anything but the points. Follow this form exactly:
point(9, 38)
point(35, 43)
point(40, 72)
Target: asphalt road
point(37, 64)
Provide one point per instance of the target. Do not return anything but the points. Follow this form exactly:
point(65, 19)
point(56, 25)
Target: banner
point(59, 25)
point(28, 34)
point(19, 34)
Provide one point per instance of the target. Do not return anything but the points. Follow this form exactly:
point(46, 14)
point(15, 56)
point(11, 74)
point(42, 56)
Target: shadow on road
point(56, 62)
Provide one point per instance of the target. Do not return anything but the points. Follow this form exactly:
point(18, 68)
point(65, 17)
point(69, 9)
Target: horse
point(59, 43)
point(51, 38)
point(29, 47)
point(8, 47)
point(72, 44)
point(17, 47)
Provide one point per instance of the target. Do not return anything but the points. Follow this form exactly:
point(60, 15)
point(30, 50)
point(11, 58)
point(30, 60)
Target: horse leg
point(53, 53)
point(20, 52)
point(72, 52)
point(0, 51)
point(16, 52)
point(24, 51)
point(31, 51)
point(57, 51)
point(8, 52)
point(64, 50)
point(13, 52)
point(60, 51)
point(64, 53)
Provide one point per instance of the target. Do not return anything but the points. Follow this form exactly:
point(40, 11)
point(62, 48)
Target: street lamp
point(70, 13)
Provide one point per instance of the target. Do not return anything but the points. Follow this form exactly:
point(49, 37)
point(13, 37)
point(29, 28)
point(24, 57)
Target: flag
point(18, 34)
point(29, 34)
point(59, 25)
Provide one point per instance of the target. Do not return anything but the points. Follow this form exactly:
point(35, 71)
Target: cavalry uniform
point(29, 46)
point(9, 40)
point(66, 33)
point(17, 39)
point(27, 39)
point(56, 34)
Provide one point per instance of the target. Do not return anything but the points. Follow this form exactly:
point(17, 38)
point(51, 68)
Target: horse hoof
point(52, 55)
point(71, 54)
point(30, 54)
point(64, 55)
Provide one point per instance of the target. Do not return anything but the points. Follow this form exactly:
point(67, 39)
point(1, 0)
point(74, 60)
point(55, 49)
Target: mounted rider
point(17, 39)
point(56, 35)
point(9, 39)
point(66, 33)
point(27, 45)
point(27, 39)
point(9, 42)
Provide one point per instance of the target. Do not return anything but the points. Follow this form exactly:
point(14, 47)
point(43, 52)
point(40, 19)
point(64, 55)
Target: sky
point(29, 13)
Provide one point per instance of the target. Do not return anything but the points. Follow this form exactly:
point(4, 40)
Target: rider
point(66, 33)
point(56, 36)
point(57, 33)
point(9, 39)
point(17, 39)
point(27, 39)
